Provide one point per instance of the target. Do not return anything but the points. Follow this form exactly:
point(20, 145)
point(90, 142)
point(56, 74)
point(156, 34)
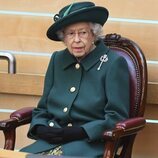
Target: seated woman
point(86, 88)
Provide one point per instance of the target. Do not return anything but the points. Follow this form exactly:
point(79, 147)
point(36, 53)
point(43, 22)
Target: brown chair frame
point(122, 137)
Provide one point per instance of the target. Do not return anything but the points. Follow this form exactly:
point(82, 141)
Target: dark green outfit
point(81, 95)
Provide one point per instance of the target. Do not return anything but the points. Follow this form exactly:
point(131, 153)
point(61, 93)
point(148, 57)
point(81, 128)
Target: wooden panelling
point(29, 6)
point(135, 9)
point(122, 8)
point(32, 64)
point(146, 142)
point(21, 84)
point(24, 33)
point(152, 72)
point(12, 154)
point(152, 93)
point(31, 26)
point(143, 34)
point(28, 64)
point(151, 111)
point(4, 116)
point(4, 66)
point(15, 101)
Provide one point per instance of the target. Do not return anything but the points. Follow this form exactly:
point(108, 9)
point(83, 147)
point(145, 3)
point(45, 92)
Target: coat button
point(77, 66)
point(51, 124)
point(65, 109)
point(69, 124)
point(72, 89)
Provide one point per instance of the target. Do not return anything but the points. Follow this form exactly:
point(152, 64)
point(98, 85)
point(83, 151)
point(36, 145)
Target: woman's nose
point(77, 37)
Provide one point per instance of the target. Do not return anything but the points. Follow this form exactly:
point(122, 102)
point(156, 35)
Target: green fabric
point(77, 12)
point(101, 99)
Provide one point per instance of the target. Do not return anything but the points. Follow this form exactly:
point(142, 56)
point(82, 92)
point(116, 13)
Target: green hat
point(77, 12)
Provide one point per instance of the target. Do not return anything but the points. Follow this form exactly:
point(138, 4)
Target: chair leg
point(110, 149)
point(127, 148)
point(9, 139)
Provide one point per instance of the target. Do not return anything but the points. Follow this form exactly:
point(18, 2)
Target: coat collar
point(67, 59)
point(89, 60)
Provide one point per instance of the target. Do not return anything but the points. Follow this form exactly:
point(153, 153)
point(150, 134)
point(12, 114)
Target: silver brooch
point(103, 59)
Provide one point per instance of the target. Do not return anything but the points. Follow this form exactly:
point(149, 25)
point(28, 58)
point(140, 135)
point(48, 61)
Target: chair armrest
point(124, 128)
point(17, 118)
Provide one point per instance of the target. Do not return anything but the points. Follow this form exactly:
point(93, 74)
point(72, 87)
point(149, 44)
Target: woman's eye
point(71, 33)
point(83, 32)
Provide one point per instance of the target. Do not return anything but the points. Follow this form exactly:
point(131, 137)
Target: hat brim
point(93, 14)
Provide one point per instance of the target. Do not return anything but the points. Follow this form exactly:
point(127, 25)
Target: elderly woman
point(86, 87)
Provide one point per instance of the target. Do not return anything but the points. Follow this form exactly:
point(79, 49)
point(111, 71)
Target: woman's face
point(79, 39)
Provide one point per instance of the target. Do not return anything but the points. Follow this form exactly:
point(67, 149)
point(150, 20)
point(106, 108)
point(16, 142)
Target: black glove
point(48, 133)
point(73, 133)
point(60, 135)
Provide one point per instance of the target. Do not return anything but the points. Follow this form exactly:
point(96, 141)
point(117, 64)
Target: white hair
point(96, 28)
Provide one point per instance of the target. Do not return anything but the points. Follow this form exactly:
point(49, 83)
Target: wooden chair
point(119, 141)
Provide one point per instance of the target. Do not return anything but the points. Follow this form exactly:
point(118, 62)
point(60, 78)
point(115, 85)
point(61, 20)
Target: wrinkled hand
point(60, 135)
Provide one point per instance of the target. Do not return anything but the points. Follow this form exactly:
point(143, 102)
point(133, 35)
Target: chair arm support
point(124, 128)
point(17, 118)
point(23, 114)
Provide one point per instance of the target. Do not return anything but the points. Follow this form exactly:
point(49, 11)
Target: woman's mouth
point(77, 49)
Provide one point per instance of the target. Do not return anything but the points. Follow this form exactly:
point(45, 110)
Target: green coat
point(79, 94)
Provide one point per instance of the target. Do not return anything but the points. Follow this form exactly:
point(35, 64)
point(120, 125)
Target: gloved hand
point(60, 135)
point(49, 133)
point(73, 133)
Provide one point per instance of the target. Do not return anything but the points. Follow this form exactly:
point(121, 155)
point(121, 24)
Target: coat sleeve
point(40, 114)
point(117, 106)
